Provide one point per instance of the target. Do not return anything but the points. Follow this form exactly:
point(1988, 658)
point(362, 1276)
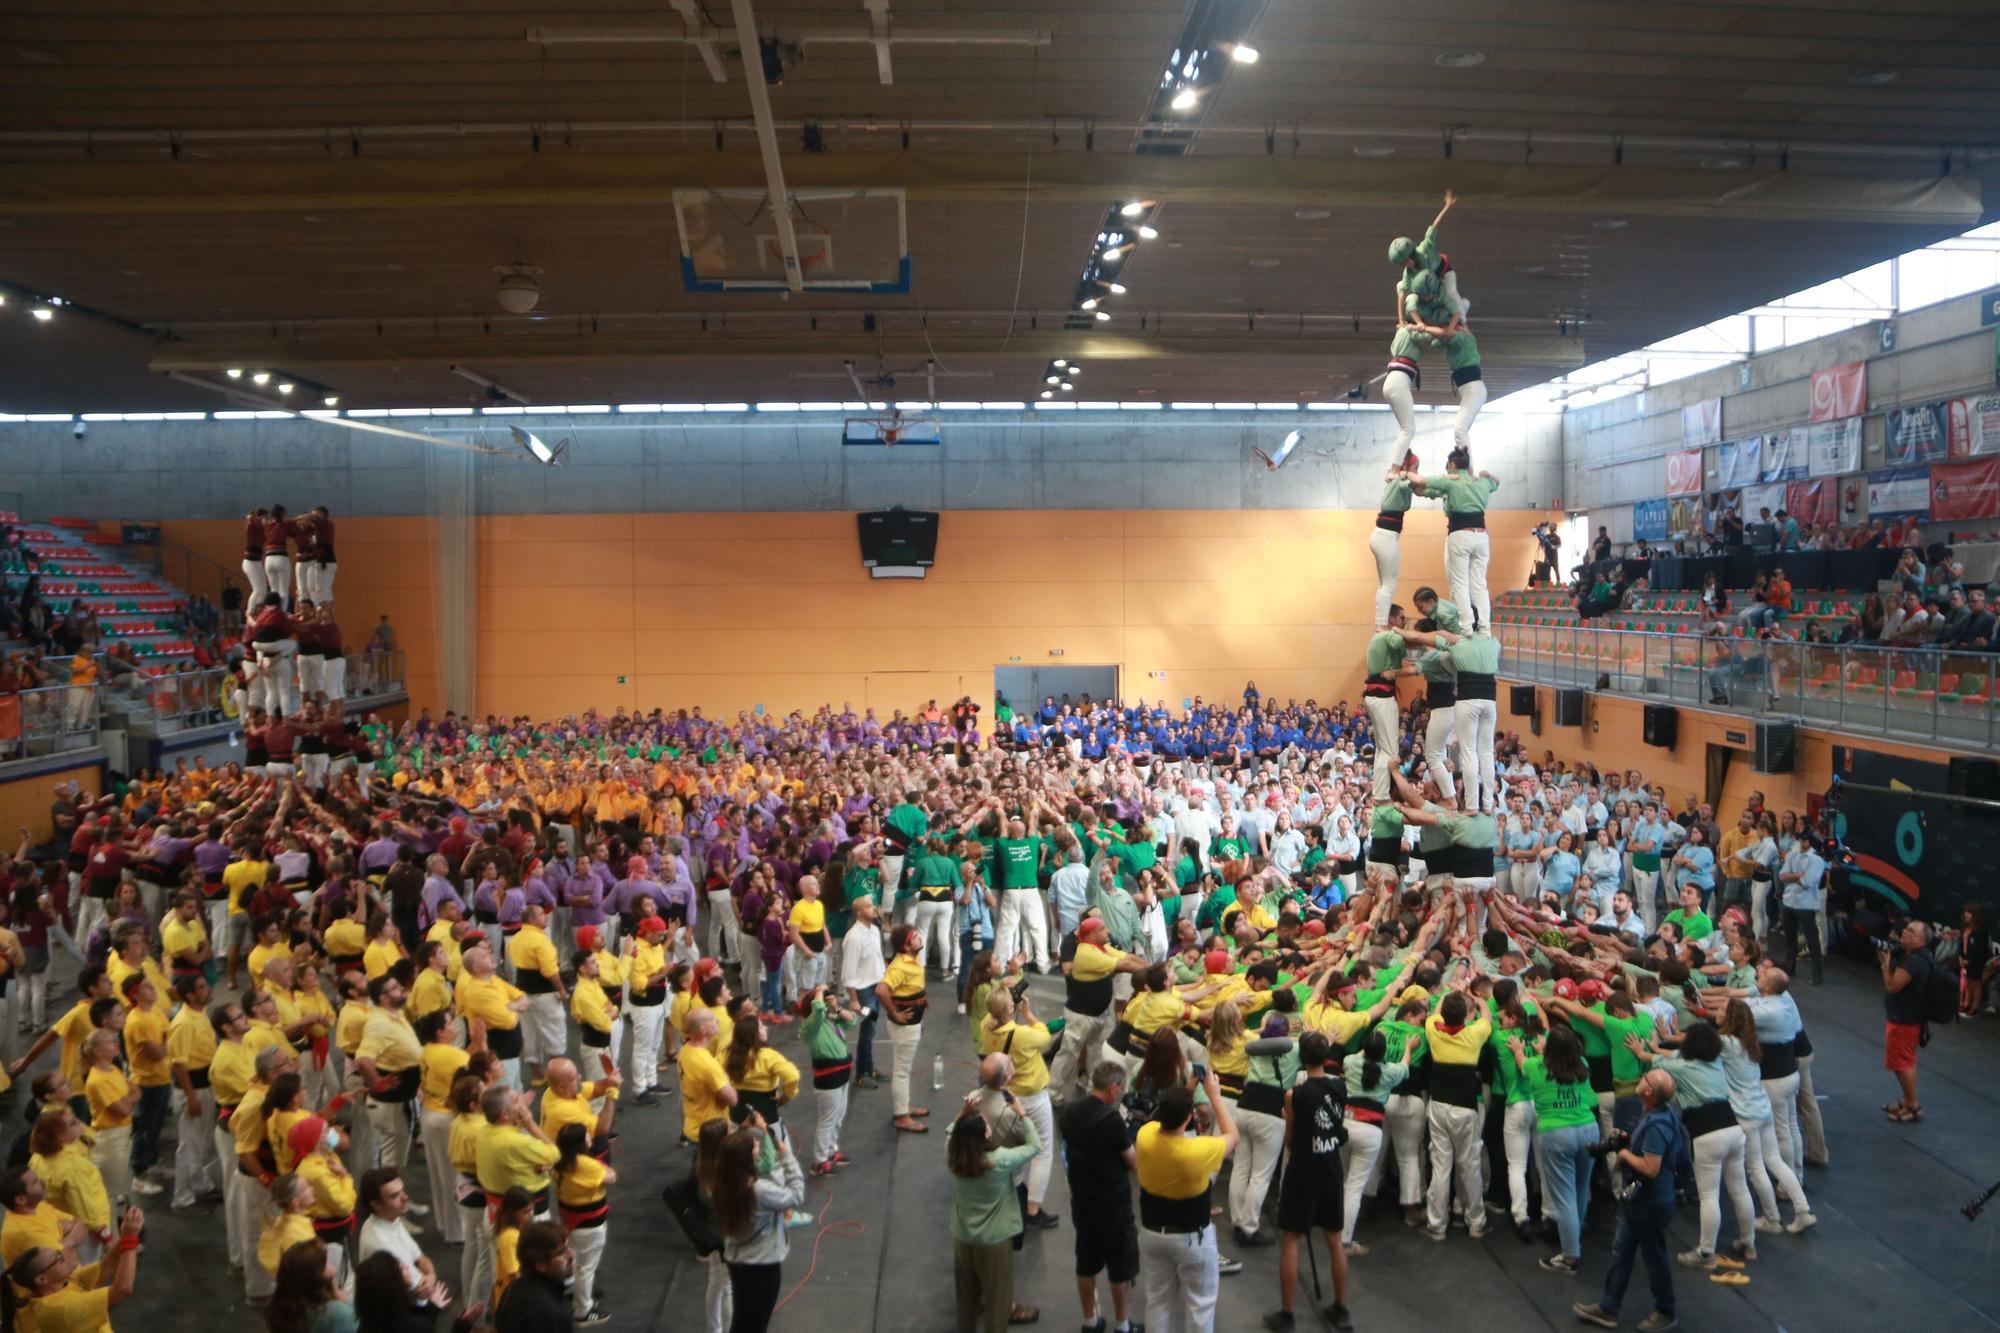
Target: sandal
point(1023, 1314)
point(1905, 1115)
point(914, 1127)
point(1730, 1279)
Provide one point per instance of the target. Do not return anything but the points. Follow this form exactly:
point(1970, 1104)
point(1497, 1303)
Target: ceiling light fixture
point(1185, 100)
point(43, 313)
point(518, 291)
point(1104, 316)
point(1311, 214)
point(1459, 59)
point(1243, 53)
point(1090, 303)
point(1872, 78)
point(1727, 162)
point(331, 400)
point(1610, 224)
point(1149, 233)
point(1133, 209)
point(1115, 288)
point(1047, 394)
point(1059, 363)
point(1115, 253)
point(1052, 379)
point(285, 387)
point(1068, 387)
point(234, 372)
point(1373, 150)
point(261, 377)
point(1076, 370)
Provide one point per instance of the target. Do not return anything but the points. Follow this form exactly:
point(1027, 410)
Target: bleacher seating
point(132, 606)
point(1660, 612)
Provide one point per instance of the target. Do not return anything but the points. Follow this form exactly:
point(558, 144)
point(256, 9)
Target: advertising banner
point(1813, 501)
point(1834, 447)
point(1701, 423)
point(1784, 456)
point(1974, 425)
point(1684, 472)
point(1684, 516)
point(1649, 520)
point(1899, 492)
point(1916, 434)
point(1840, 392)
point(1966, 490)
point(1737, 462)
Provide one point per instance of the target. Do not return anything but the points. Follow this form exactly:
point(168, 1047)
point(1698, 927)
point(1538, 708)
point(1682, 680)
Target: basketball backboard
point(848, 240)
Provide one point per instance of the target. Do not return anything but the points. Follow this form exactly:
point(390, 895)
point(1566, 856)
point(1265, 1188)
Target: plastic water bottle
point(937, 1074)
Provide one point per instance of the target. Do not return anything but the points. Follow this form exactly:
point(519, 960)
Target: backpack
point(684, 1201)
point(1940, 993)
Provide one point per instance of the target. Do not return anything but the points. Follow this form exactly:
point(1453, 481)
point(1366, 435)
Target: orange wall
point(25, 802)
point(1613, 736)
point(731, 610)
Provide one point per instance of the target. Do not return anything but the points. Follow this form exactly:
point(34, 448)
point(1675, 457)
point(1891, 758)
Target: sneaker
point(1413, 1215)
point(1336, 1314)
point(1594, 1313)
point(1278, 1321)
point(1252, 1239)
point(412, 1227)
point(1043, 1220)
point(596, 1315)
point(961, 1009)
point(1743, 1249)
point(1769, 1225)
point(141, 1185)
point(1561, 1264)
point(798, 1218)
point(1229, 1267)
point(839, 1158)
point(1355, 1249)
point(420, 1210)
point(1436, 1233)
point(1096, 1325)
point(1658, 1322)
point(822, 1168)
point(1695, 1259)
point(1523, 1232)
point(1801, 1224)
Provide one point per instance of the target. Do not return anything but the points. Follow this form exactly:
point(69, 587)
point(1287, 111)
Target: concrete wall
point(755, 463)
point(1615, 452)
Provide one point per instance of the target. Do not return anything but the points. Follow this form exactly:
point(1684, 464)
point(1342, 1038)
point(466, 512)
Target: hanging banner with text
point(1756, 499)
point(1974, 425)
point(1684, 472)
point(1899, 492)
point(1916, 434)
point(1684, 516)
point(1784, 456)
point(1813, 501)
point(1840, 392)
point(1966, 490)
point(1649, 520)
point(1701, 423)
point(1833, 447)
point(1737, 461)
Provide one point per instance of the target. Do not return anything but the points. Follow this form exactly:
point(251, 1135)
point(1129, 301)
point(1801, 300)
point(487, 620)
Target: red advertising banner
point(1813, 501)
point(1840, 392)
point(1684, 472)
point(1966, 490)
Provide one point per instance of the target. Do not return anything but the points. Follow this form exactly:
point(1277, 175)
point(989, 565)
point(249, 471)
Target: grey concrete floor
point(1891, 1249)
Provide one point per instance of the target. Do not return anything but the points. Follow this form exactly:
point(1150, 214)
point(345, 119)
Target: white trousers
point(443, 1178)
point(1364, 1156)
point(1645, 896)
point(1082, 1047)
point(1718, 1166)
point(1385, 720)
point(1471, 397)
point(312, 674)
point(333, 677)
point(1260, 1140)
point(1760, 914)
point(475, 1263)
point(232, 1195)
point(253, 574)
point(587, 1244)
point(1400, 393)
point(1406, 1117)
point(1784, 1095)
point(1763, 1163)
point(933, 921)
point(1466, 555)
point(719, 1302)
point(903, 1041)
point(1387, 548)
point(194, 1153)
point(1438, 736)
point(542, 1036)
point(1182, 1276)
point(278, 574)
point(648, 1022)
point(1518, 1133)
point(1036, 1104)
point(722, 930)
point(830, 1105)
point(1455, 1151)
point(389, 1127)
point(1024, 926)
point(1476, 721)
point(112, 1156)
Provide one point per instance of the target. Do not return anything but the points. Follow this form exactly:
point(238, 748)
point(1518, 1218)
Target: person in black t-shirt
point(1311, 1194)
point(1906, 975)
point(1097, 1145)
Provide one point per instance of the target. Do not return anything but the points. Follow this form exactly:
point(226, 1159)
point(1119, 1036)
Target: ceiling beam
point(546, 179)
point(703, 45)
point(552, 348)
point(878, 26)
point(767, 152)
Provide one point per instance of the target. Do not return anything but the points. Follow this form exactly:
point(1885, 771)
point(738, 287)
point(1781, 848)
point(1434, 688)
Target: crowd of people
point(404, 990)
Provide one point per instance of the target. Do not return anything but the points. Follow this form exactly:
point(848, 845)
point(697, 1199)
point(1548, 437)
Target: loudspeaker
point(1569, 708)
point(1775, 744)
point(1978, 778)
point(1521, 700)
point(1663, 725)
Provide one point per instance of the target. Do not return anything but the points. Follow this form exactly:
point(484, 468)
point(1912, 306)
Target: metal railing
point(1907, 693)
point(48, 719)
point(201, 697)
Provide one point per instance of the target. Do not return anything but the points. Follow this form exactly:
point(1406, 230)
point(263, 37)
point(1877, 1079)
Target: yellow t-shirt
point(346, 940)
point(1149, 1011)
point(701, 1079)
point(348, 1025)
point(333, 1191)
point(73, 1027)
point(261, 954)
point(589, 1004)
point(102, 1087)
point(582, 1185)
point(379, 957)
point(178, 937)
point(75, 1185)
point(241, 880)
point(808, 916)
point(247, 1125)
point(262, 1036)
point(21, 1232)
point(1176, 1166)
point(118, 969)
point(1024, 1045)
point(230, 1071)
point(770, 1071)
point(531, 950)
point(648, 962)
point(487, 998)
point(507, 1156)
point(558, 1111)
point(429, 994)
point(454, 955)
point(290, 1229)
point(144, 1027)
point(463, 1146)
point(1339, 1025)
point(190, 1039)
point(441, 1065)
point(1095, 962)
point(904, 976)
point(278, 1132)
point(506, 1262)
point(78, 1306)
point(390, 1041)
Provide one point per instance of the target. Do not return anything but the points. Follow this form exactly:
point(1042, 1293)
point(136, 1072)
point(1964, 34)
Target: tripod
point(1977, 1206)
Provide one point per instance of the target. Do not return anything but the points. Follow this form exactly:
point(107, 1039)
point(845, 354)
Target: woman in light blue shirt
point(1560, 866)
point(1697, 864)
point(1604, 867)
point(1524, 869)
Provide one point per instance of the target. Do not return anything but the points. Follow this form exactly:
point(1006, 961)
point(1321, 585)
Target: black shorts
point(1311, 1196)
point(1107, 1242)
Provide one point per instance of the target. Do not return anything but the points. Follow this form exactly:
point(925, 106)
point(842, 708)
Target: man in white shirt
point(1069, 889)
point(383, 1194)
point(861, 970)
point(1198, 825)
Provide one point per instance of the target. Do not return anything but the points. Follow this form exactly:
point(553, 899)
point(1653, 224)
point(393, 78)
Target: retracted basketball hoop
point(892, 429)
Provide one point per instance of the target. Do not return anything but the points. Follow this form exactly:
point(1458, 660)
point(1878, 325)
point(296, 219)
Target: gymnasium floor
point(1891, 1249)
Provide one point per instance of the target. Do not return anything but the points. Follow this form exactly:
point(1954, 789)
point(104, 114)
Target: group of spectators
point(449, 937)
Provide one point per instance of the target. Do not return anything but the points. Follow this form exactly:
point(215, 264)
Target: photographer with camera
point(1651, 1157)
point(1906, 977)
point(1010, 1029)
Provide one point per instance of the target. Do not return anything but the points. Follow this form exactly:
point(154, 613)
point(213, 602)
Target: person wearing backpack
point(1650, 1159)
point(1910, 978)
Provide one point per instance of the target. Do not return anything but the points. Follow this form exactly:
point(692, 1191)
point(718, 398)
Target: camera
point(1019, 990)
point(1609, 1144)
point(1881, 945)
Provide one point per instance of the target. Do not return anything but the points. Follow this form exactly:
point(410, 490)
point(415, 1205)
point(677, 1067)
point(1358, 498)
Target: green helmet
point(1424, 285)
point(1400, 251)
